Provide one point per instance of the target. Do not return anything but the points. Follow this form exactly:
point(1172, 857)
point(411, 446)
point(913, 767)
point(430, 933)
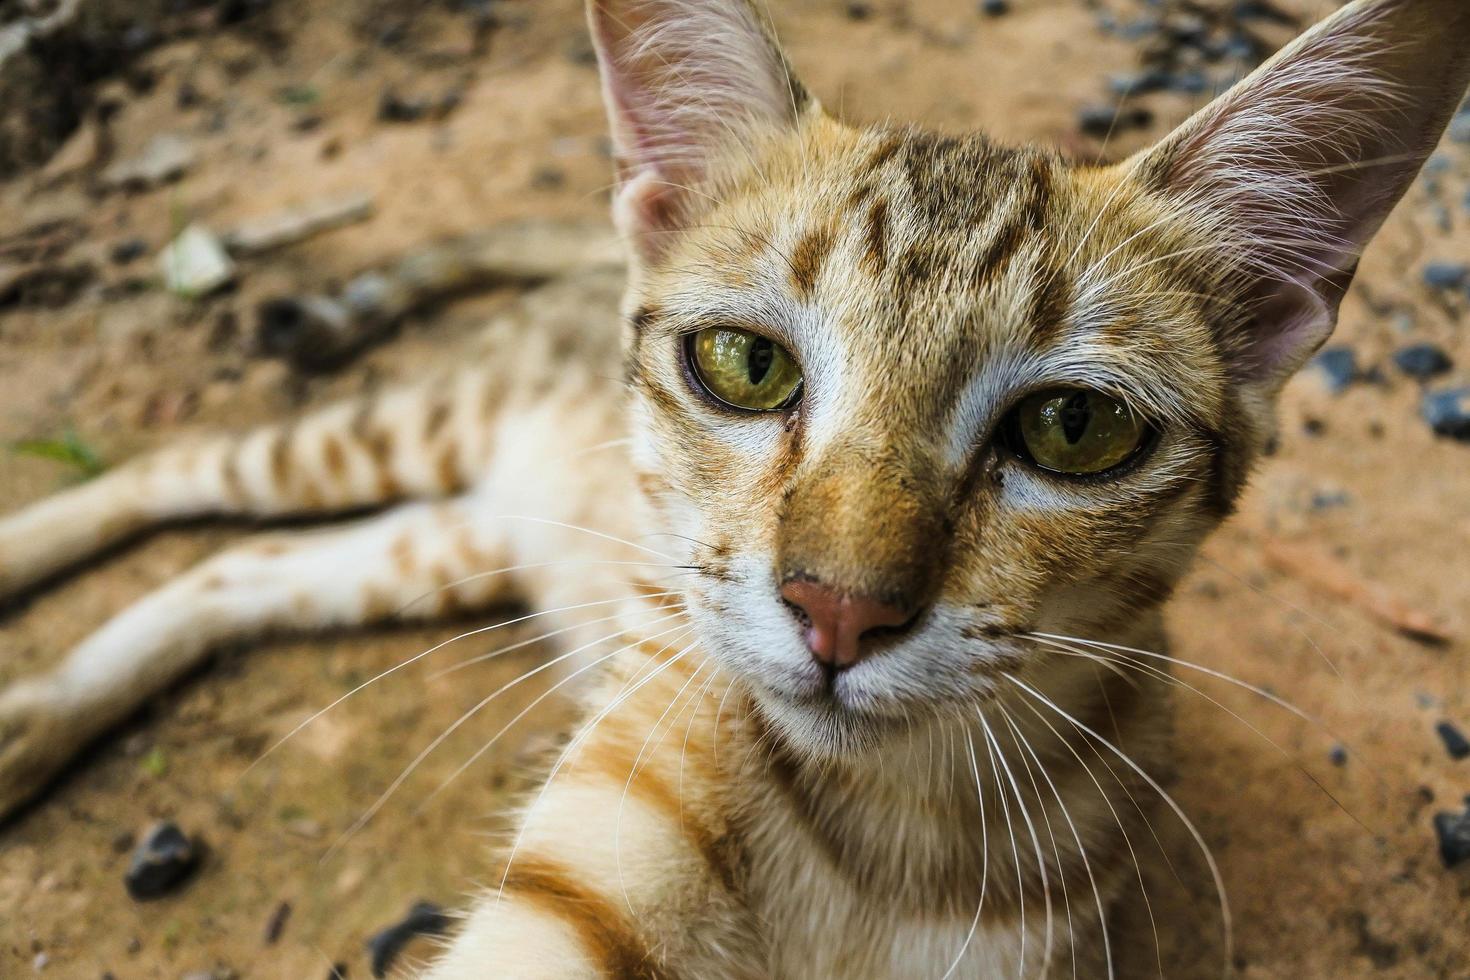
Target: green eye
point(744, 369)
point(1076, 431)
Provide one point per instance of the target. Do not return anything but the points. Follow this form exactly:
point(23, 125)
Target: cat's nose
point(837, 624)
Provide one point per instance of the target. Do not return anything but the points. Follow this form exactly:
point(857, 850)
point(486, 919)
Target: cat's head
point(906, 398)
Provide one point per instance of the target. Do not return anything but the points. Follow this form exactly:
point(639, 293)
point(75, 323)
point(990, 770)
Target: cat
point(917, 435)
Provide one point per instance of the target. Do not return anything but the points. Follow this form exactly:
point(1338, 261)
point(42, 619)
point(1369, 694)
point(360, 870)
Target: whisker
point(1025, 812)
point(1189, 825)
point(1056, 851)
point(1128, 842)
point(1060, 640)
point(585, 530)
point(1149, 670)
point(477, 576)
point(439, 739)
point(519, 644)
point(480, 752)
point(1005, 808)
point(417, 657)
point(984, 857)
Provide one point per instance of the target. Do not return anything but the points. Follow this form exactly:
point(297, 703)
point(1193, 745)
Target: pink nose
point(837, 623)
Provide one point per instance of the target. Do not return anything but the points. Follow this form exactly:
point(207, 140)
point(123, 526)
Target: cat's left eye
point(744, 369)
point(1075, 431)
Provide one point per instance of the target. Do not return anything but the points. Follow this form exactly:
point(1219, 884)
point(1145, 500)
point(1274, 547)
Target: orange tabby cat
point(931, 425)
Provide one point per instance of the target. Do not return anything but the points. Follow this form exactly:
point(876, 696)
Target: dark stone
point(424, 919)
point(124, 252)
point(995, 8)
point(48, 286)
point(1140, 83)
point(1446, 275)
point(1448, 413)
point(393, 107)
point(337, 972)
point(1422, 361)
point(1261, 10)
point(1454, 740)
point(1338, 755)
point(162, 862)
point(859, 10)
point(276, 924)
point(1189, 82)
point(1453, 831)
point(1338, 367)
point(1102, 120)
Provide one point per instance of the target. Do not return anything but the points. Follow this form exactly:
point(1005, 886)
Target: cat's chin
point(823, 728)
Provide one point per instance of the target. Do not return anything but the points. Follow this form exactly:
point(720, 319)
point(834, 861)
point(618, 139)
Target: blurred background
point(176, 177)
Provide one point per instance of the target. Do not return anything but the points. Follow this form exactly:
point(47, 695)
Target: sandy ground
point(1316, 890)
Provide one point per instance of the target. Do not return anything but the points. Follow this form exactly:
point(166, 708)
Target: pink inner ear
point(683, 80)
point(1296, 168)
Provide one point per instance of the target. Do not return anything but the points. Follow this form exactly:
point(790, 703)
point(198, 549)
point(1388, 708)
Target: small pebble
point(1338, 755)
point(1102, 120)
point(1460, 128)
point(1446, 275)
point(424, 919)
point(1338, 367)
point(126, 251)
point(41, 961)
point(392, 107)
point(1453, 831)
point(276, 924)
point(1454, 740)
point(195, 263)
point(859, 10)
point(1422, 361)
point(995, 8)
point(164, 860)
point(1140, 83)
point(1448, 413)
point(1260, 10)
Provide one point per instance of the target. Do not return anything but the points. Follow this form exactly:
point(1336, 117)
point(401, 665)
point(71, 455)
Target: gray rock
point(1455, 743)
point(195, 263)
point(1338, 368)
point(1460, 128)
point(1422, 361)
point(166, 157)
point(1448, 413)
point(1446, 275)
point(424, 919)
point(1453, 832)
point(164, 860)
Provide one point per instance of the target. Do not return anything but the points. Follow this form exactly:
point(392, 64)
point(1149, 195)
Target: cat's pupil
point(1076, 414)
point(762, 356)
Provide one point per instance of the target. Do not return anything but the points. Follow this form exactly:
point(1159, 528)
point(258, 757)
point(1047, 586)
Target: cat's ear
point(684, 81)
point(1296, 167)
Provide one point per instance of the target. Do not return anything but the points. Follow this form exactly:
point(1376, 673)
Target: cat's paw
point(34, 742)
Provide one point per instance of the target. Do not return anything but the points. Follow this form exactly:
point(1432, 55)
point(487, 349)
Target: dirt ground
point(283, 108)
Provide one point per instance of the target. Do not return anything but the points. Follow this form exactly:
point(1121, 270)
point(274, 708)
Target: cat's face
point(918, 336)
point(906, 399)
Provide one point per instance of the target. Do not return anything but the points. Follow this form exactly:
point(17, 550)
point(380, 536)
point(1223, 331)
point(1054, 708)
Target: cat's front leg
point(624, 863)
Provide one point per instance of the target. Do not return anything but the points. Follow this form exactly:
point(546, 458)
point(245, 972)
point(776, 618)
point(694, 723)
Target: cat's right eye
point(744, 369)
